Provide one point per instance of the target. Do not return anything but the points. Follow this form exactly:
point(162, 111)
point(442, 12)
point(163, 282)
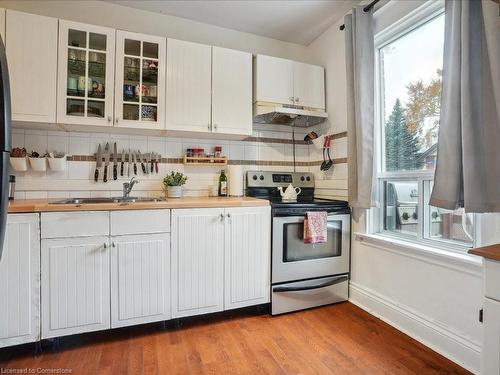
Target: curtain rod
point(365, 9)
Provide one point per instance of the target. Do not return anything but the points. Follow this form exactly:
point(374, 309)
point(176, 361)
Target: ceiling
point(295, 21)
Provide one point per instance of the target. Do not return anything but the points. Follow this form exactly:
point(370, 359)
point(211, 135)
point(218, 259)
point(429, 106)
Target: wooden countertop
point(44, 205)
point(489, 252)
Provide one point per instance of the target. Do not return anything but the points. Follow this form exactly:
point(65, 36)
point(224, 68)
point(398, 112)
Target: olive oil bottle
point(223, 184)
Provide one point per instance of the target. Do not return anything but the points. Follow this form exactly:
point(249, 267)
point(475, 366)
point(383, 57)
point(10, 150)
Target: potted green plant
point(173, 183)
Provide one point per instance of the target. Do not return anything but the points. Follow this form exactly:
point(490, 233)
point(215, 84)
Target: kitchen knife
point(141, 159)
point(115, 162)
point(152, 157)
point(98, 163)
point(148, 160)
point(122, 162)
point(106, 163)
point(135, 165)
point(157, 160)
point(129, 165)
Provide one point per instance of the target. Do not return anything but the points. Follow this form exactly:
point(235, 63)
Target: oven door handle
point(337, 280)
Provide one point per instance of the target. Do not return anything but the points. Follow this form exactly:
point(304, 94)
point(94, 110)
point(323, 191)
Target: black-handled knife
point(143, 166)
point(98, 163)
point(122, 162)
point(135, 165)
point(106, 163)
point(115, 163)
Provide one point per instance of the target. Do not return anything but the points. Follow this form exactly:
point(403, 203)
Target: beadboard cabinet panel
point(20, 281)
point(231, 91)
point(75, 285)
point(197, 261)
point(31, 47)
point(247, 256)
point(309, 85)
point(140, 279)
point(188, 86)
point(274, 80)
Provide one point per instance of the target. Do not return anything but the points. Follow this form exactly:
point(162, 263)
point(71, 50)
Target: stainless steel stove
point(303, 275)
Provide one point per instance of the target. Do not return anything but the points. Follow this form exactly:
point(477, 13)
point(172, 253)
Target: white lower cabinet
point(220, 259)
point(140, 279)
point(197, 261)
point(20, 281)
point(490, 356)
point(247, 256)
point(75, 285)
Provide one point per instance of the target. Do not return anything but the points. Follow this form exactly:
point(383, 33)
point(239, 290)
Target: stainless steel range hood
point(284, 114)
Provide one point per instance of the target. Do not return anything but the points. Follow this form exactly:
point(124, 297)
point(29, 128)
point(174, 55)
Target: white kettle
point(290, 193)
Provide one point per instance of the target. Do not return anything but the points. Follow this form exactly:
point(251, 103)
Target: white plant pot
point(38, 164)
point(58, 164)
point(174, 191)
point(19, 164)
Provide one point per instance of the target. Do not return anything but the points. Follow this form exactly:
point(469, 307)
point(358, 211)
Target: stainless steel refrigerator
point(5, 142)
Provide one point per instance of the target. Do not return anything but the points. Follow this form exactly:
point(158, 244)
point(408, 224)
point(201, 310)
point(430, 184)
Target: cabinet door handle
point(228, 216)
point(215, 127)
point(113, 244)
point(208, 126)
point(116, 120)
point(109, 118)
point(105, 245)
point(221, 216)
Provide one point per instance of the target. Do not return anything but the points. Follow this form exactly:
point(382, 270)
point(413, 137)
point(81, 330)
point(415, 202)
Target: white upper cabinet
point(2, 24)
point(309, 85)
point(188, 86)
point(274, 80)
point(140, 81)
point(289, 82)
point(31, 47)
point(85, 74)
point(231, 91)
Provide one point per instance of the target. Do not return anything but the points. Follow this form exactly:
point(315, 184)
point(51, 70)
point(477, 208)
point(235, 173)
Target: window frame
point(403, 26)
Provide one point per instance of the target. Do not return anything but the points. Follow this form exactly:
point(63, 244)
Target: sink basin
point(106, 200)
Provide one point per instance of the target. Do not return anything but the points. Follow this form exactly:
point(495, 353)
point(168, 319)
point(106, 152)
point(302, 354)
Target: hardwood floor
point(337, 339)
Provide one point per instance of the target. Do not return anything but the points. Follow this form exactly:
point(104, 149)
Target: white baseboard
point(457, 348)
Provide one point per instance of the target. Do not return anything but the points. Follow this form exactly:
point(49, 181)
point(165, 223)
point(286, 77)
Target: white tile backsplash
point(77, 180)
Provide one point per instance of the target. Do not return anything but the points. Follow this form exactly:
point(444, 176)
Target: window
point(409, 63)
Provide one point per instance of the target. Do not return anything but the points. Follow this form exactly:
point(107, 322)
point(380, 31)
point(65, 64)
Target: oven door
point(295, 260)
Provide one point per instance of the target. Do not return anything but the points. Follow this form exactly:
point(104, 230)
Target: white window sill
point(421, 251)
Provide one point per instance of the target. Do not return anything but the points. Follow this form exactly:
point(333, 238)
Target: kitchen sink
point(105, 200)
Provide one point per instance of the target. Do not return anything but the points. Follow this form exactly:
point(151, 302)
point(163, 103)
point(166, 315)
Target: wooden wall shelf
point(203, 160)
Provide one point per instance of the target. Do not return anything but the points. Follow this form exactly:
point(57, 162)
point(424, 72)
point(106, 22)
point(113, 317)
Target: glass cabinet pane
point(130, 112)
point(97, 74)
point(75, 107)
point(150, 50)
point(97, 41)
point(132, 47)
point(148, 113)
point(77, 38)
point(76, 84)
point(95, 108)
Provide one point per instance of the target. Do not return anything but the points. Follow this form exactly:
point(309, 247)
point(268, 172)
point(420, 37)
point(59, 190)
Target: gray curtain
point(360, 101)
point(468, 158)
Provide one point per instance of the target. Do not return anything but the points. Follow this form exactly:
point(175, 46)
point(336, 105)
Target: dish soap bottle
point(222, 184)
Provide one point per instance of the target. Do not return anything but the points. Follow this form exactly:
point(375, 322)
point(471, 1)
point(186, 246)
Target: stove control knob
point(405, 216)
point(262, 177)
point(435, 215)
point(254, 177)
point(302, 178)
point(308, 178)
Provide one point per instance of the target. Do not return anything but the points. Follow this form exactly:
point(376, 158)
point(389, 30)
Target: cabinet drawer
point(492, 279)
point(140, 222)
point(75, 224)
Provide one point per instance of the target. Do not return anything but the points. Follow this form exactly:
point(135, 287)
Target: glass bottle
point(223, 184)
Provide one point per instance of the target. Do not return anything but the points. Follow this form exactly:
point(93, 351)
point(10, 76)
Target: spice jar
point(217, 151)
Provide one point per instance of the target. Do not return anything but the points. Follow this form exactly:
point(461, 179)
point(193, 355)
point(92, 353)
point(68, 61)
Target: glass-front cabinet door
point(140, 81)
point(86, 74)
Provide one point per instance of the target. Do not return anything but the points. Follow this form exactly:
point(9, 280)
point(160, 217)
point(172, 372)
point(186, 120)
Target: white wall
point(125, 18)
point(435, 299)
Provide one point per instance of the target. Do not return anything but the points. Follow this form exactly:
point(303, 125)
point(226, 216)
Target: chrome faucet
point(128, 186)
